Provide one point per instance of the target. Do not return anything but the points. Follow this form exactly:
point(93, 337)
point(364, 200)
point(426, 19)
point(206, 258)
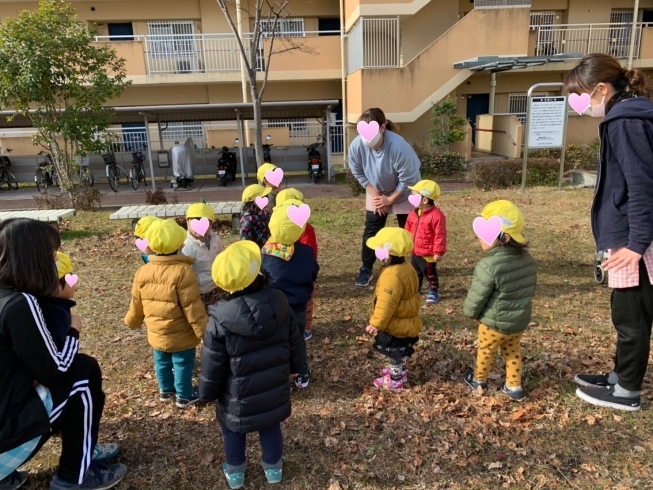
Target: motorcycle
point(227, 166)
point(315, 168)
point(267, 150)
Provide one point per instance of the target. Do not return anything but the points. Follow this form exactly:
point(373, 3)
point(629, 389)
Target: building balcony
point(204, 58)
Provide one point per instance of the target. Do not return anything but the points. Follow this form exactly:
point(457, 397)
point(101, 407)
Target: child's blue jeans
point(271, 445)
point(174, 371)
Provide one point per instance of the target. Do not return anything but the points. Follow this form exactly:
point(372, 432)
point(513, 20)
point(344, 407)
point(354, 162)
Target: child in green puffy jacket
point(500, 295)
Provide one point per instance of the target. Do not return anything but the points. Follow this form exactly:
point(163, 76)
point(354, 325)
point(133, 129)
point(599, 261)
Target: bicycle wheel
point(90, 180)
point(86, 178)
point(41, 181)
point(143, 176)
point(11, 181)
point(3, 179)
point(113, 174)
point(135, 177)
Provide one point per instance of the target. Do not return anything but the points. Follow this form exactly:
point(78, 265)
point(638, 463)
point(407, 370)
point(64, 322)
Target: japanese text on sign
point(547, 122)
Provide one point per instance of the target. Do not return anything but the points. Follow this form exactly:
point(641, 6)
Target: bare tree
point(255, 55)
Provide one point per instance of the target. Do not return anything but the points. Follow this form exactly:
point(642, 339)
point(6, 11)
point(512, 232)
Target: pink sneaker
point(387, 383)
point(404, 374)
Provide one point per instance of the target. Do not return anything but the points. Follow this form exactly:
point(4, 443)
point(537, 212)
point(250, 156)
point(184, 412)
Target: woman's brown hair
point(602, 68)
point(27, 261)
point(376, 114)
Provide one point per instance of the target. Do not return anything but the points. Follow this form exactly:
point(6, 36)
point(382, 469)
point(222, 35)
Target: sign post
point(546, 127)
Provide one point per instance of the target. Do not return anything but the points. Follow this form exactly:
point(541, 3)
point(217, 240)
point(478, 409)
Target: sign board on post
point(547, 124)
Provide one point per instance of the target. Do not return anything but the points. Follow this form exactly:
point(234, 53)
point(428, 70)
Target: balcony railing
point(501, 4)
point(374, 43)
point(612, 39)
point(197, 53)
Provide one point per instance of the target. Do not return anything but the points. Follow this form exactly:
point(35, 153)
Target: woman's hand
point(382, 201)
point(622, 258)
point(371, 330)
point(76, 322)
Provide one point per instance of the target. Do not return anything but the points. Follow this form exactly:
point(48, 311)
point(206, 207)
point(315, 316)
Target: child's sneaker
point(166, 396)
point(187, 402)
point(302, 381)
point(387, 383)
point(234, 480)
point(274, 475)
point(386, 372)
point(516, 394)
point(308, 335)
point(432, 298)
point(468, 378)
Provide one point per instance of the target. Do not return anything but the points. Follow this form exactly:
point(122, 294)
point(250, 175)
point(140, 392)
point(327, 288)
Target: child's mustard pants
point(488, 343)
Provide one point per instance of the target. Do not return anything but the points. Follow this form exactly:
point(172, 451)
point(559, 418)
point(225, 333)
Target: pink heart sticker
point(415, 199)
point(274, 177)
point(487, 230)
point(200, 226)
point(579, 103)
point(299, 215)
point(71, 279)
point(381, 253)
point(142, 244)
point(261, 202)
point(368, 130)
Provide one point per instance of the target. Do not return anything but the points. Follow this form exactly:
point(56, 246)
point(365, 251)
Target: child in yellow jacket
point(396, 322)
point(166, 295)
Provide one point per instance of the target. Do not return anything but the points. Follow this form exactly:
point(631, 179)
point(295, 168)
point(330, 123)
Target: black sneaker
point(516, 394)
point(187, 402)
point(302, 381)
point(166, 396)
point(604, 397)
point(364, 277)
point(15, 480)
point(468, 378)
point(98, 477)
point(593, 380)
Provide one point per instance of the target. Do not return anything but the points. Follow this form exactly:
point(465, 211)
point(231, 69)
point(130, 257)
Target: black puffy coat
point(251, 346)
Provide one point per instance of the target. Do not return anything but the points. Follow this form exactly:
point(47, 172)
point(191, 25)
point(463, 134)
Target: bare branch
point(234, 30)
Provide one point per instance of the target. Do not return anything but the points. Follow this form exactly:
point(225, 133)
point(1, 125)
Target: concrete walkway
point(209, 190)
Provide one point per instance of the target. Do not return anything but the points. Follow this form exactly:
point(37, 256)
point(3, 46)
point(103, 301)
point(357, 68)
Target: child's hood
point(252, 315)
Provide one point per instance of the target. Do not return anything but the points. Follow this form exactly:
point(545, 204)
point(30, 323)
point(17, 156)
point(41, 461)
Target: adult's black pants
point(373, 224)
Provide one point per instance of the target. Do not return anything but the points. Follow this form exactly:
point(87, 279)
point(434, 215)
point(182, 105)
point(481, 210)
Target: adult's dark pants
point(632, 317)
point(373, 224)
point(77, 405)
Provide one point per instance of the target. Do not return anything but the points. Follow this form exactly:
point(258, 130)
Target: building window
point(172, 37)
point(181, 131)
point(288, 27)
point(518, 104)
point(297, 127)
point(539, 19)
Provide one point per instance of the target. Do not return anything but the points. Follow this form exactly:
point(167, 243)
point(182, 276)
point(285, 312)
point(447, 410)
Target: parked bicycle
point(83, 174)
point(6, 177)
point(46, 173)
point(137, 173)
point(116, 175)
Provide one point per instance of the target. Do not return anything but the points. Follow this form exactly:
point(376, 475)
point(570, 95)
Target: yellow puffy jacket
point(397, 302)
point(165, 293)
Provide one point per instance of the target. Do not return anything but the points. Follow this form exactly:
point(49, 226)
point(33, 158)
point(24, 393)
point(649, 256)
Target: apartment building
point(400, 55)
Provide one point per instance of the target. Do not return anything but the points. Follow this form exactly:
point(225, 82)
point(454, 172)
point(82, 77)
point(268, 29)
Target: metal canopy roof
point(495, 64)
point(199, 112)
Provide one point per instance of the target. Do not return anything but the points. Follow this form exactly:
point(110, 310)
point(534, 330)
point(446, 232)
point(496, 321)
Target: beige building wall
point(418, 31)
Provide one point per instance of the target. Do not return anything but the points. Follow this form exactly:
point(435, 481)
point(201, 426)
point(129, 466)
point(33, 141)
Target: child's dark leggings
point(426, 269)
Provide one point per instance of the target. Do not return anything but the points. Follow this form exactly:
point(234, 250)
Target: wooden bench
point(135, 213)
point(53, 216)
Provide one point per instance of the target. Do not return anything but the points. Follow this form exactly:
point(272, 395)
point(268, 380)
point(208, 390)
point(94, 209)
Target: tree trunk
point(258, 122)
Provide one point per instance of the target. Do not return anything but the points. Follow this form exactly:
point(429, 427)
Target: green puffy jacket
point(502, 289)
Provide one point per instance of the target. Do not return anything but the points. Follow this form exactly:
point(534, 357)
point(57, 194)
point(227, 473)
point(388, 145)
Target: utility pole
point(633, 36)
point(243, 78)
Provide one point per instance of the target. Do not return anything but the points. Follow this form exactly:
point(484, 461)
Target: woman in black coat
point(622, 219)
point(251, 347)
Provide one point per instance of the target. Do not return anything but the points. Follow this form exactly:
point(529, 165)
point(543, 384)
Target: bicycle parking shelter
point(239, 112)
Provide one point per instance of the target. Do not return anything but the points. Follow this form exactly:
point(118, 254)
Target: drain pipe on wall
point(493, 92)
point(633, 35)
point(343, 64)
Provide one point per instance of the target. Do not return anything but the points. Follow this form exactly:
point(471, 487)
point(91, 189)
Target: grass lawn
point(345, 434)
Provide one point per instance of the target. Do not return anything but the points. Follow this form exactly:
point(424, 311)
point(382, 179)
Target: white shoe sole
point(600, 403)
point(585, 384)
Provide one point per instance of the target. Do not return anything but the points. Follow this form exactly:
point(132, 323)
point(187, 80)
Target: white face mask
point(373, 143)
point(595, 110)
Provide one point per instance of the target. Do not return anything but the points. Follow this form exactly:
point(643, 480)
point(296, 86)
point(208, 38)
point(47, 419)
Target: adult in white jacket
point(204, 248)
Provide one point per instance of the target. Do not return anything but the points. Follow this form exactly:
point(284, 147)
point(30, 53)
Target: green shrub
point(577, 157)
point(442, 164)
point(501, 174)
point(87, 199)
point(354, 185)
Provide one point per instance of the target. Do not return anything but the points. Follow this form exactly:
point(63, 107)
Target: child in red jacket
point(428, 227)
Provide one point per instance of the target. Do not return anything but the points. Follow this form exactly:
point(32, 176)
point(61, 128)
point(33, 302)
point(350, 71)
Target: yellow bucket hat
point(282, 229)
point(237, 267)
point(397, 240)
point(64, 264)
point(200, 210)
point(289, 193)
point(253, 191)
point(427, 188)
point(260, 173)
point(165, 236)
point(143, 224)
point(511, 218)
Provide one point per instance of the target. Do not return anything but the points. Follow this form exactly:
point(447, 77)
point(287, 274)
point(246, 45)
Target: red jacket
point(309, 238)
point(429, 232)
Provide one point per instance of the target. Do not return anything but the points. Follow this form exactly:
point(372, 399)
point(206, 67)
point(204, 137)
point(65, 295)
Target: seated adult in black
point(44, 390)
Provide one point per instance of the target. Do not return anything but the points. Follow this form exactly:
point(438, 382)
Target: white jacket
point(204, 256)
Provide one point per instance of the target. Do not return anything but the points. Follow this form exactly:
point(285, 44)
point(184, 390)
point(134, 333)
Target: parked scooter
point(227, 166)
point(267, 151)
point(315, 169)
